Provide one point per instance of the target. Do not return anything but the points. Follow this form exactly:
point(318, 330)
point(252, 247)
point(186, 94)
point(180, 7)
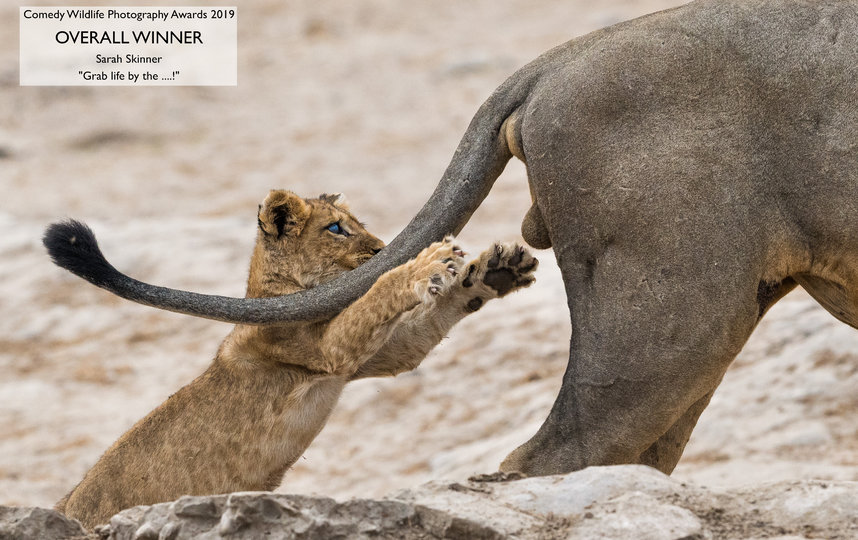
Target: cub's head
point(302, 243)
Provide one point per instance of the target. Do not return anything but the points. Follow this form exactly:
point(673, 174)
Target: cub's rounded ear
point(282, 213)
point(336, 199)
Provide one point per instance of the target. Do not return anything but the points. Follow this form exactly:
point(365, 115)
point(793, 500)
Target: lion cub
point(240, 425)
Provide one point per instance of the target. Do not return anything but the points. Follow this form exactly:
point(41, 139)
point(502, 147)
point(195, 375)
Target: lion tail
point(72, 245)
point(481, 156)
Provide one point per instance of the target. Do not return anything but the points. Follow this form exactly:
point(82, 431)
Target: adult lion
point(689, 168)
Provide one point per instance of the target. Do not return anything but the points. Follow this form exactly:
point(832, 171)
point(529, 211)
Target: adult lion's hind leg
point(665, 452)
point(645, 355)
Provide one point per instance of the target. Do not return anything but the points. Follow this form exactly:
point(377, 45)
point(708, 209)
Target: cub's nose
point(376, 250)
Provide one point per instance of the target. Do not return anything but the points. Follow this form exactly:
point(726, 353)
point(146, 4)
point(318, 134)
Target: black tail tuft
point(72, 245)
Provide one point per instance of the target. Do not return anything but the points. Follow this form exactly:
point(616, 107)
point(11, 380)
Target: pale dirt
point(368, 98)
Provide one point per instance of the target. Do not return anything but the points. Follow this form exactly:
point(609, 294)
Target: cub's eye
point(336, 228)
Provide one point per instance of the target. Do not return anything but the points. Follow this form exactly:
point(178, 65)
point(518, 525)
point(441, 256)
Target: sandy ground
point(368, 98)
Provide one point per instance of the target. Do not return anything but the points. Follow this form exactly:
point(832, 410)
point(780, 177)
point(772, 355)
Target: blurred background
point(366, 98)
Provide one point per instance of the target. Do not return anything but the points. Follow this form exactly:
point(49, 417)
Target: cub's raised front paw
point(503, 268)
point(436, 269)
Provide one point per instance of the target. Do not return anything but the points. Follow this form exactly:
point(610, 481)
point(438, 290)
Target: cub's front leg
point(360, 330)
point(499, 270)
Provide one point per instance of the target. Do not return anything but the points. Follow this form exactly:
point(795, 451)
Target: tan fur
point(240, 425)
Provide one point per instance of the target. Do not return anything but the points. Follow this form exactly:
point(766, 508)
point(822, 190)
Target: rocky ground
point(369, 99)
point(629, 501)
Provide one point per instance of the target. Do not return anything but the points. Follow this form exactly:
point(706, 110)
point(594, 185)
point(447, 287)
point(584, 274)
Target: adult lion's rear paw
point(436, 269)
point(503, 268)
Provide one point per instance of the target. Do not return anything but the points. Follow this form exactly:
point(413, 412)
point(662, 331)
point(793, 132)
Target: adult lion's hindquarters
point(690, 167)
